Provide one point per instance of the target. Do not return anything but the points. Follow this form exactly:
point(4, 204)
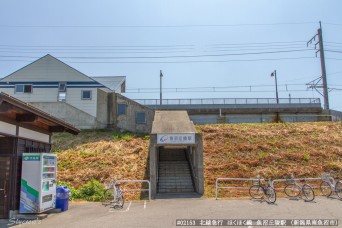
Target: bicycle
point(259, 191)
point(294, 190)
point(113, 195)
point(331, 184)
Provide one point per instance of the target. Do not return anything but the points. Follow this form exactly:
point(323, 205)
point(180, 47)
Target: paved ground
point(164, 212)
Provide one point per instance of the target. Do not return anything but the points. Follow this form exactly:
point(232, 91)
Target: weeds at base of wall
point(127, 136)
point(91, 191)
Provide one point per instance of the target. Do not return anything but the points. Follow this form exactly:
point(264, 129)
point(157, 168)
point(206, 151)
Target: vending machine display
point(38, 182)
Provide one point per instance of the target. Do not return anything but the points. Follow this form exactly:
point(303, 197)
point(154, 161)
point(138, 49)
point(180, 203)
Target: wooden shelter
point(23, 129)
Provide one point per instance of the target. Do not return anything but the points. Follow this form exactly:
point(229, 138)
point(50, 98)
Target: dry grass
point(98, 155)
point(230, 150)
point(270, 150)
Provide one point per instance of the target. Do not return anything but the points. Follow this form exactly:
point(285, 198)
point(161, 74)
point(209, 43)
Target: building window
point(122, 109)
point(23, 88)
point(62, 96)
point(140, 118)
point(86, 94)
point(62, 87)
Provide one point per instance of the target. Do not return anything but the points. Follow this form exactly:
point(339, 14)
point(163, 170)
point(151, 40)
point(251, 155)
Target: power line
point(158, 46)
point(332, 42)
point(171, 56)
point(129, 51)
point(334, 24)
point(148, 48)
point(155, 49)
point(156, 26)
point(174, 62)
point(335, 51)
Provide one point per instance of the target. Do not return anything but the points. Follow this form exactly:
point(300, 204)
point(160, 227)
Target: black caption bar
point(257, 222)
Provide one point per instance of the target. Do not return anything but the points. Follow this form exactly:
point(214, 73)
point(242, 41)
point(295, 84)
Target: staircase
point(174, 172)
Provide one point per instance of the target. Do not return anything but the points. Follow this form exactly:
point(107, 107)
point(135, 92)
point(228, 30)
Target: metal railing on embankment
point(228, 101)
point(217, 187)
point(137, 190)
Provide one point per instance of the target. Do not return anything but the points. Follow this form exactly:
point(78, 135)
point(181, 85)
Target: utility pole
point(314, 83)
point(161, 88)
point(274, 74)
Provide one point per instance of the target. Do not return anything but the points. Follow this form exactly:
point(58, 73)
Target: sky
point(205, 48)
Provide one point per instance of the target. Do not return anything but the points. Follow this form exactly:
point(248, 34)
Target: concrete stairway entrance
point(174, 174)
point(176, 157)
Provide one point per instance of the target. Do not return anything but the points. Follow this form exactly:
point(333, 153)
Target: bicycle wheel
point(325, 189)
point(338, 189)
point(271, 195)
point(308, 193)
point(292, 190)
point(108, 196)
point(256, 192)
point(119, 201)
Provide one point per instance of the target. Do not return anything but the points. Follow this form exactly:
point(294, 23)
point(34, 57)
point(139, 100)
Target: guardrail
point(234, 187)
point(136, 190)
point(228, 101)
point(296, 179)
point(272, 182)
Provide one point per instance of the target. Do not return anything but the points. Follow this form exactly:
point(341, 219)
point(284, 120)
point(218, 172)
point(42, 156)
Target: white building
point(62, 91)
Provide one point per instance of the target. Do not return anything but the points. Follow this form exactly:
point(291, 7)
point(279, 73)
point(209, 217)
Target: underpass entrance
point(176, 157)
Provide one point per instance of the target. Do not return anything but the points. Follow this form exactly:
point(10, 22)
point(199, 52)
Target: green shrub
point(92, 191)
point(74, 193)
point(127, 136)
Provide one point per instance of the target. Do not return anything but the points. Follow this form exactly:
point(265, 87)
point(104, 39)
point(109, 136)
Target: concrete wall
point(102, 106)
point(336, 115)
point(74, 98)
point(253, 118)
point(195, 157)
point(38, 94)
point(153, 158)
point(128, 121)
point(70, 114)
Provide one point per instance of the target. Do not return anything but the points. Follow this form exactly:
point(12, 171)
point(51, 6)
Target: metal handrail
point(234, 179)
point(295, 179)
point(135, 190)
point(228, 101)
point(191, 166)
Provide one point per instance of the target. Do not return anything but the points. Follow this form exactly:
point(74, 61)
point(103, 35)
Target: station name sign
point(176, 139)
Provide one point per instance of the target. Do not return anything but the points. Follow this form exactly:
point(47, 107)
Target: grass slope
point(230, 150)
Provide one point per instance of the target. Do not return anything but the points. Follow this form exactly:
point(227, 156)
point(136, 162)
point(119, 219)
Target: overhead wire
point(163, 57)
point(155, 26)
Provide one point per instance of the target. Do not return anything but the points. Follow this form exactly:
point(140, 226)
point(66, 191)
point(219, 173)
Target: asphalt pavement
point(169, 212)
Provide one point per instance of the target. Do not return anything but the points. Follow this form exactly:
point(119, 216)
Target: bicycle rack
point(272, 182)
point(234, 187)
point(296, 179)
point(137, 190)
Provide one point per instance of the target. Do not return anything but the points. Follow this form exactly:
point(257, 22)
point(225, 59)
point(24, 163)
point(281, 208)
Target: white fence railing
point(272, 183)
point(217, 187)
point(295, 179)
point(228, 101)
point(137, 190)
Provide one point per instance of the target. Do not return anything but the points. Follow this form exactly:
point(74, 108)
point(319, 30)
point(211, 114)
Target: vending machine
point(38, 182)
